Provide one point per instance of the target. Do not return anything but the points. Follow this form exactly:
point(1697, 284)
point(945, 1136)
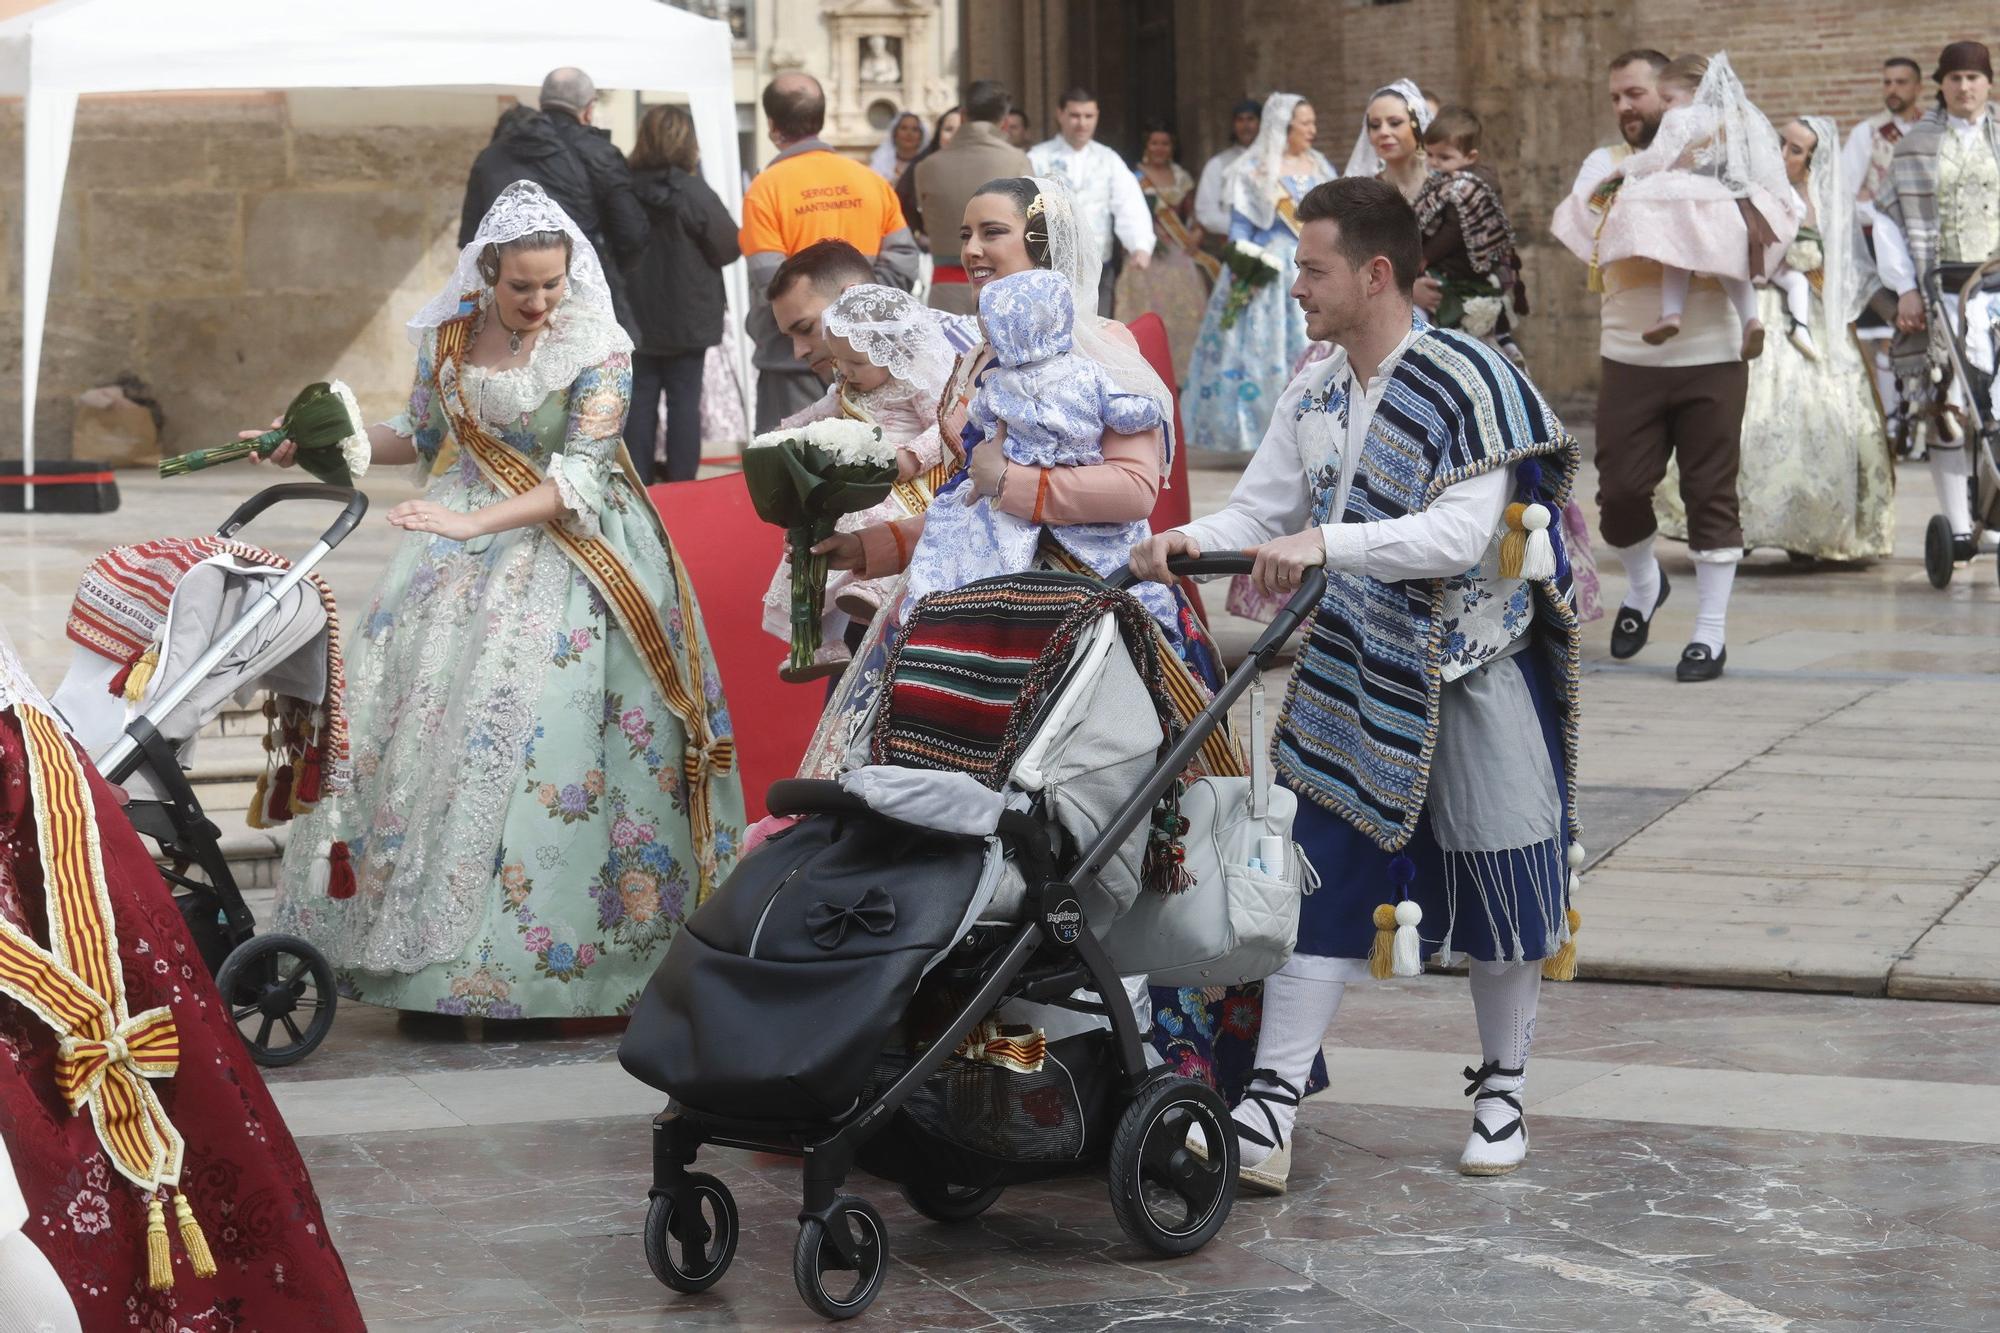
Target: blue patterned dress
point(1236, 374)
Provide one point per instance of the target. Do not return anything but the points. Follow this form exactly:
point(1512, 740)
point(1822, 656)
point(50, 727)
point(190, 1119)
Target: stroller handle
point(354, 502)
point(1282, 626)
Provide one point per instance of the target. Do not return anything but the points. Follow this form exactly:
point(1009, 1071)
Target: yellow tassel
point(1381, 958)
point(1595, 283)
point(159, 1260)
point(255, 816)
point(142, 674)
point(196, 1244)
point(1514, 545)
point(1562, 967)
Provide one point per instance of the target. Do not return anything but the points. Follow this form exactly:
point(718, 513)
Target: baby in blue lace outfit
point(1055, 403)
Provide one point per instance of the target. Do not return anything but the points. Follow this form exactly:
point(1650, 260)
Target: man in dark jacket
point(560, 150)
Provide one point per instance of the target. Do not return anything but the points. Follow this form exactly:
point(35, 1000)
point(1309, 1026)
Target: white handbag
point(1234, 923)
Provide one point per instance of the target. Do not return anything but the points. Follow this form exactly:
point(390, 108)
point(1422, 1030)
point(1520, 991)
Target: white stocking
point(1642, 575)
point(1673, 291)
point(1297, 1012)
point(1712, 581)
point(1504, 996)
point(1949, 470)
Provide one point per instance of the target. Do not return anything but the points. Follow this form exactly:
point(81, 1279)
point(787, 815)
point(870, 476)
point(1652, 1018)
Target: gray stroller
point(232, 630)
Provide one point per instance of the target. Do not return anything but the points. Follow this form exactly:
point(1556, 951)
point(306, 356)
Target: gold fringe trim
point(159, 1260)
point(192, 1239)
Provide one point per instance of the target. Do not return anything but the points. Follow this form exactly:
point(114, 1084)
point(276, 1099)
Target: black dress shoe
point(1629, 630)
point(1698, 663)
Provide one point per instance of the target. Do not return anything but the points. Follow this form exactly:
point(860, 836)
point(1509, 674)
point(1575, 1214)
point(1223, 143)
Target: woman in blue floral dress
point(1237, 373)
point(542, 756)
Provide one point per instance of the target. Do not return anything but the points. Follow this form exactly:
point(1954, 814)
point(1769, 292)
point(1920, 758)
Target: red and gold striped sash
point(105, 1055)
point(706, 756)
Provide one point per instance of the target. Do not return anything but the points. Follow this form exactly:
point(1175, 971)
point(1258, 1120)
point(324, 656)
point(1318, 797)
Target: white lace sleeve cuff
point(580, 483)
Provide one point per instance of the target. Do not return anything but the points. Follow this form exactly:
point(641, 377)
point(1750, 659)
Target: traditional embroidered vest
point(1360, 719)
point(1968, 199)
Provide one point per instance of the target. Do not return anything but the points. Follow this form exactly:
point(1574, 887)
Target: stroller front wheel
point(1939, 555)
point(690, 1251)
point(1166, 1196)
point(821, 1258)
point(273, 981)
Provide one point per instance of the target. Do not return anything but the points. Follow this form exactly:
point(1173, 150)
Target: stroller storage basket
point(1055, 1115)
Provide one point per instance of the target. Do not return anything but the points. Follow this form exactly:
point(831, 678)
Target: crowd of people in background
point(1708, 430)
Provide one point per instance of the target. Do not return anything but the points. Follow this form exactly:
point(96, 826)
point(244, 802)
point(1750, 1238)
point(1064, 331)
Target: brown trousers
point(1693, 414)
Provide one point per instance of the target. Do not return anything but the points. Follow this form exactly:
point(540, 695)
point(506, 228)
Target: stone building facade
point(230, 248)
point(1533, 70)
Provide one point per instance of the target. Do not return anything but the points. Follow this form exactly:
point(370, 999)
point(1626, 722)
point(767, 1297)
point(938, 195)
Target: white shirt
point(1275, 497)
point(1855, 158)
point(1211, 196)
point(1893, 264)
point(1106, 193)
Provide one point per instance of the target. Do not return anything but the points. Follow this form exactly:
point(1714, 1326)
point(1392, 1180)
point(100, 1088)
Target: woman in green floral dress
point(543, 784)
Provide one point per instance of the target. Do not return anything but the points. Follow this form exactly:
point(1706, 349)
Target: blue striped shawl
point(1360, 719)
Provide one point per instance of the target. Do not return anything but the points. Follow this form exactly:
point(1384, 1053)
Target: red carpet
point(730, 553)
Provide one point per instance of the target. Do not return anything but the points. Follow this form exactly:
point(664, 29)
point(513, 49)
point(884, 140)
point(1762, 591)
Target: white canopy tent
point(51, 56)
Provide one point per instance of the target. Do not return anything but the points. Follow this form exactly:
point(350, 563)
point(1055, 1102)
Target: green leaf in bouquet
point(323, 421)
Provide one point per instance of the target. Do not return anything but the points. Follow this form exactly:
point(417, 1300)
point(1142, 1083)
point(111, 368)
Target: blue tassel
point(1557, 541)
point(1402, 871)
point(1528, 480)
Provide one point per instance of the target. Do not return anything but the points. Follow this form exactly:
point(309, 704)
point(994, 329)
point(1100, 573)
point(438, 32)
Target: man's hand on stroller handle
point(1282, 564)
point(1910, 311)
point(1148, 561)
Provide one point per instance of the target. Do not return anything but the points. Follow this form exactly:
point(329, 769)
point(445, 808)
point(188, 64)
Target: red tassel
point(340, 882)
point(306, 790)
point(117, 686)
point(279, 808)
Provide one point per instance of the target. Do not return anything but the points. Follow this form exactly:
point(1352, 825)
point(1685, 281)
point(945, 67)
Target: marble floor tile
point(1290, 1307)
point(359, 1106)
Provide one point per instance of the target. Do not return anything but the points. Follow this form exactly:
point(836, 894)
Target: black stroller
point(765, 1041)
point(280, 988)
point(1967, 283)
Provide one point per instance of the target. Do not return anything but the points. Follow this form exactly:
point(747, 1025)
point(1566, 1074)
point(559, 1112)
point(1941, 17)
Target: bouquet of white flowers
point(1251, 267)
point(803, 480)
point(1807, 253)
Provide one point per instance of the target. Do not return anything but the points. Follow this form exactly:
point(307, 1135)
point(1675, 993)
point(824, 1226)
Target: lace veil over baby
point(897, 332)
point(1364, 160)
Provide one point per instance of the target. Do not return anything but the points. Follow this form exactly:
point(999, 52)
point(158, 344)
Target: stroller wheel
point(1165, 1196)
point(941, 1201)
point(690, 1252)
point(278, 986)
point(1938, 550)
point(821, 1271)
